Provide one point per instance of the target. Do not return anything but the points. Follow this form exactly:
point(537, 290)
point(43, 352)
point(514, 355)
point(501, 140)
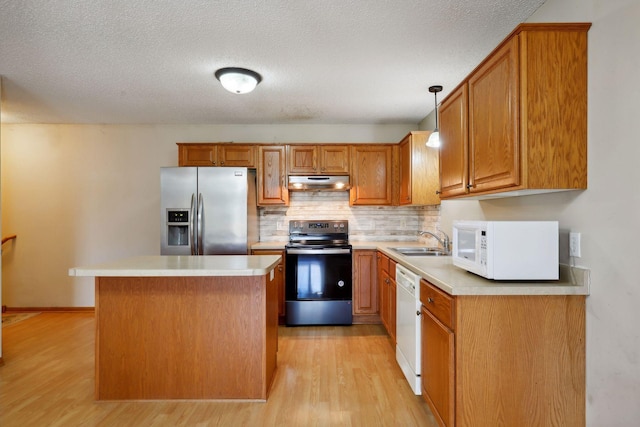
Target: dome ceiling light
point(238, 80)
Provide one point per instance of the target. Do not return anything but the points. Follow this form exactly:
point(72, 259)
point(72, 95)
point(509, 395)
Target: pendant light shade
point(434, 138)
point(238, 80)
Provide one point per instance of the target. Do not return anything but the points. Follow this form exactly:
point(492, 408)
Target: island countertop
point(180, 266)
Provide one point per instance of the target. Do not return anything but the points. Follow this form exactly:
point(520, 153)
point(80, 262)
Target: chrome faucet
point(444, 241)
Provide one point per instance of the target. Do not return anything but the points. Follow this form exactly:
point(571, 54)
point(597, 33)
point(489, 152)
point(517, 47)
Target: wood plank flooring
point(327, 376)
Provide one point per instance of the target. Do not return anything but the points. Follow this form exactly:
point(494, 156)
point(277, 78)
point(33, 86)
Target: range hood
point(319, 183)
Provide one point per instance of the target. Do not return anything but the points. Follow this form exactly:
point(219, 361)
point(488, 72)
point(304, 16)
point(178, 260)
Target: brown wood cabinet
point(227, 154)
point(365, 287)
point(272, 187)
point(508, 360)
point(437, 352)
point(371, 175)
point(205, 337)
point(387, 290)
point(317, 159)
point(279, 273)
point(518, 123)
point(419, 171)
point(454, 149)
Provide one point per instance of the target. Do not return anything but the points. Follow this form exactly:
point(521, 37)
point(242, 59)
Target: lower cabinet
point(437, 353)
point(516, 360)
point(279, 277)
point(387, 291)
point(365, 287)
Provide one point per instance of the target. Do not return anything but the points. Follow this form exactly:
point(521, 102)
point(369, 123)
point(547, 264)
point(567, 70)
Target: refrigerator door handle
point(192, 225)
point(200, 224)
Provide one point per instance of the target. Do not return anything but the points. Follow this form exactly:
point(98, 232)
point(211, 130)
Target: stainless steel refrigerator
point(208, 211)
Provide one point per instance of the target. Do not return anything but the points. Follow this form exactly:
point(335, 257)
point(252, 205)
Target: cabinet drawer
point(439, 303)
point(383, 262)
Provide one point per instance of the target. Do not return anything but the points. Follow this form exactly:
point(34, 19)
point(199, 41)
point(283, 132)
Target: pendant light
point(434, 138)
point(238, 80)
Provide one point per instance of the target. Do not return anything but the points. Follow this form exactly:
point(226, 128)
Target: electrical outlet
point(574, 245)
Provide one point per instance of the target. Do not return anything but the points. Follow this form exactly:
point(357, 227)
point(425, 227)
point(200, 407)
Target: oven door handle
point(318, 251)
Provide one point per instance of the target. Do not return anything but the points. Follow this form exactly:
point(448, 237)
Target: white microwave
point(507, 250)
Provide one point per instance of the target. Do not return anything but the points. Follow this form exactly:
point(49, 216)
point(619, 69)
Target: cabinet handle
point(386, 281)
point(469, 186)
point(418, 313)
point(430, 300)
point(213, 163)
point(438, 192)
point(221, 163)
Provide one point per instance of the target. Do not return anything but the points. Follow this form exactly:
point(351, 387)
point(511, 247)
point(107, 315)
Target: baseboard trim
point(51, 309)
point(366, 319)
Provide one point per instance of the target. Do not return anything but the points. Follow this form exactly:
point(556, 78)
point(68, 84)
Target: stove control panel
point(319, 227)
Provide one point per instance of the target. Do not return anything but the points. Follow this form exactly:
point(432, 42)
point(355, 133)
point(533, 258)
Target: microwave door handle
point(192, 225)
point(200, 224)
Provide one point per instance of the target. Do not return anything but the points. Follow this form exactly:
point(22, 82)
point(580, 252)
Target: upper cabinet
point(418, 169)
point(226, 154)
point(454, 153)
point(306, 159)
point(371, 175)
point(518, 123)
point(272, 187)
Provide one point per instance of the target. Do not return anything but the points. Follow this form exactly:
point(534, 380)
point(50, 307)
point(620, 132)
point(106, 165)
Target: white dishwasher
point(408, 325)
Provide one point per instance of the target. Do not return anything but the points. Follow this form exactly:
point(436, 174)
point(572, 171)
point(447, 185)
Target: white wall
point(77, 195)
point(607, 213)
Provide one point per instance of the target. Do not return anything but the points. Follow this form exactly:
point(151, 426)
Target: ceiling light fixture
point(238, 80)
point(434, 138)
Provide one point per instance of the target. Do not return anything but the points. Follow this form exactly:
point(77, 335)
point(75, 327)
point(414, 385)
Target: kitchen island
point(185, 327)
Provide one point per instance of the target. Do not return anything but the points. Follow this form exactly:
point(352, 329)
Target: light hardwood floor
point(327, 376)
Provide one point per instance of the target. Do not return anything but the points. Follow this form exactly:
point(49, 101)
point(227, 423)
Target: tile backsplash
point(366, 223)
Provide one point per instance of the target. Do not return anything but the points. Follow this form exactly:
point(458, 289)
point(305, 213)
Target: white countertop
point(440, 271)
point(206, 265)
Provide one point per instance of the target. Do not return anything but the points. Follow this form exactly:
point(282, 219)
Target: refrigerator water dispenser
point(178, 227)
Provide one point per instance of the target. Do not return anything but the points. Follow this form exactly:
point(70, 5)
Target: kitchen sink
point(420, 251)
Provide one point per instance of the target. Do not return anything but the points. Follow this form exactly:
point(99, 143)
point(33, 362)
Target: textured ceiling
point(322, 61)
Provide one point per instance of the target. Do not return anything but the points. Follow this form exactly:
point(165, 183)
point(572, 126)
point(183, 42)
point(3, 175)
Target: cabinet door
point(237, 155)
point(418, 171)
point(365, 294)
point(271, 176)
point(494, 144)
point(405, 171)
point(302, 159)
point(383, 288)
point(454, 154)
point(371, 173)
point(279, 277)
point(437, 364)
point(197, 154)
point(333, 159)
